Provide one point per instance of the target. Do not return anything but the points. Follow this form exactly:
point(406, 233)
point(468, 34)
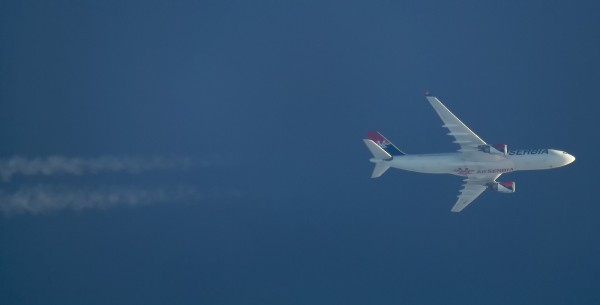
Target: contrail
point(58, 165)
point(40, 199)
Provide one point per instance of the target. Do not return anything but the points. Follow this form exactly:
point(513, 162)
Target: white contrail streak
point(46, 198)
point(58, 165)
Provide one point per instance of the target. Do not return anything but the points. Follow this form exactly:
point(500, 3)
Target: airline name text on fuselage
point(495, 171)
point(520, 152)
point(466, 171)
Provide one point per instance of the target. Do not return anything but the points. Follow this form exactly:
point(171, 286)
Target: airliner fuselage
point(457, 164)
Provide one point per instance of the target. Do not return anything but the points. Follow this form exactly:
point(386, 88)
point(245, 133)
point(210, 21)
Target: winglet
point(427, 92)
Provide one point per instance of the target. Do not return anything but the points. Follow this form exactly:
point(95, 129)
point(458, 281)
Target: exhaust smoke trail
point(40, 199)
point(58, 165)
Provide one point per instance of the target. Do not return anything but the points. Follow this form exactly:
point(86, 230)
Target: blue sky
point(272, 98)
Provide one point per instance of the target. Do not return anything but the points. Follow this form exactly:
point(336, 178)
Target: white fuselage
point(455, 164)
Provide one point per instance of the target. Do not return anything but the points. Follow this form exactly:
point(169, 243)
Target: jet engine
point(496, 149)
point(504, 187)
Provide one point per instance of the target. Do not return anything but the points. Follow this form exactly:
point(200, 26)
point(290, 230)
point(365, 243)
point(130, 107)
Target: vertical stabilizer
point(384, 143)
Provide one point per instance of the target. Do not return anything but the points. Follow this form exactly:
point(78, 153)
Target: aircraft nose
point(569, 159)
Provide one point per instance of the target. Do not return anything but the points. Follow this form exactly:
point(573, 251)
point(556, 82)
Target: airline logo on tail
point(384, 143)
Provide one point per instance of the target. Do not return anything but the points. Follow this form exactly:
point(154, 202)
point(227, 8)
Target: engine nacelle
point(504, 186)
point(496, 149)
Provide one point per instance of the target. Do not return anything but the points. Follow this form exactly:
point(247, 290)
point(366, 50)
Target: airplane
point(478, 162)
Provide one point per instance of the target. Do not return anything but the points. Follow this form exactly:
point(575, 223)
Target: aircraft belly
point(451, 164)
point(443, 164)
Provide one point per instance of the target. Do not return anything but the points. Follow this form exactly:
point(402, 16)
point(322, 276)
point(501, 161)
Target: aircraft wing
point(463, 136)
point(473, 187)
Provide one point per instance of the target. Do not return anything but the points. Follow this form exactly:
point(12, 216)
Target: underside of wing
point(469, 193)
point(463, 136)
point(472, 188)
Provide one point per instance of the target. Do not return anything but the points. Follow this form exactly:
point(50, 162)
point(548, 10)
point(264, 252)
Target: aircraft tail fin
point(384, 143)
point(380, 158)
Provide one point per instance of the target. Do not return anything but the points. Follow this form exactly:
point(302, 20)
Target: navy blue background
point(288, 89)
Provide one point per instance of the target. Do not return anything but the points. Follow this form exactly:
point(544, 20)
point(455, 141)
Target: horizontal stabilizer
point(380, 168)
